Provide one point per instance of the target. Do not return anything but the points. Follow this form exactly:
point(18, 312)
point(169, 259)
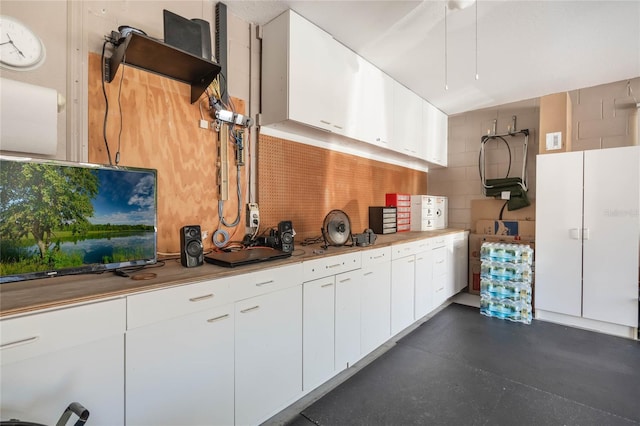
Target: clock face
point(20, 48)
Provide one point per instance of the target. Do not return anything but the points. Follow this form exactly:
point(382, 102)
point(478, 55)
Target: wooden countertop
point(28, 296)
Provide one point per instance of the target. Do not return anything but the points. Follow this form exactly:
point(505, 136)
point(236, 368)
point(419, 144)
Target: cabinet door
point(268, 354)
point(347, 319)
point(434, 134)
point(318, 331)
point(375, 109)
point(407, 121)
point(610, 239)
point(558, 285)
point(321, 73)
point(180, 371)
point(402, 293)
point(424, 284)
point(51, 359)
point(460, 260)
point(441, 274)
point(375, 315)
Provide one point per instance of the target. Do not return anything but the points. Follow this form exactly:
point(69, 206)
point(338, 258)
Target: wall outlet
point(253, 215)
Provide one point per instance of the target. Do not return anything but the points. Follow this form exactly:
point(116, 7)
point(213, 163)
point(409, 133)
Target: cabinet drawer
point(406, 249)
point(148, 308)
point(34, 335)
point(374, 256)
point(265, 281)
point(424, 245)
point(439, 261)
point(318, 268)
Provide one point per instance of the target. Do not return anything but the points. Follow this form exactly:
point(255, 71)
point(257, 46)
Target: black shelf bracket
point(160, 58)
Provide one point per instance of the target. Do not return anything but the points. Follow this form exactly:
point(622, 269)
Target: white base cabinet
point(318, 331)
point(348, 297)
point(587, 234)
point(50, 359)
point(424, 280)
point(180, 371)
point(375, 302)
point(402, 292)
point(268, 354)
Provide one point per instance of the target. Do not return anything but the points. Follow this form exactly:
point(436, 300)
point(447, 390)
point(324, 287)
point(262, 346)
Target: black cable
point(124, 58)
point(106, 102)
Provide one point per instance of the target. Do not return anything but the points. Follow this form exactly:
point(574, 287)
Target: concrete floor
point(462, 368)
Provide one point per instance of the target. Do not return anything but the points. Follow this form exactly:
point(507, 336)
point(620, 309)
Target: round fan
point(336, 228)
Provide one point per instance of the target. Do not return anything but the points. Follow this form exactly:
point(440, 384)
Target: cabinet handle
point(326, 285)
point(367, 273)
point(19, 342)
point(334, 266)
point(411, 260)
point(440, 261)
point(218, 318)
point(264, 283)
point(337, 127)
point(420, 258)
point(574, 233)
point(201, 298)
point(378, 257)
point(345, 280)
point(324, 122)
point(253, 308)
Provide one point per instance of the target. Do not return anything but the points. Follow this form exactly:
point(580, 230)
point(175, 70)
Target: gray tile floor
point(462, 368)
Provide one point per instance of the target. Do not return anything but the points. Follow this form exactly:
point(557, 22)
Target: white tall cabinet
point(587, 235)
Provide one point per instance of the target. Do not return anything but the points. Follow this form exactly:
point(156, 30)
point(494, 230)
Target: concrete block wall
point(460, 181)
point(606, 116)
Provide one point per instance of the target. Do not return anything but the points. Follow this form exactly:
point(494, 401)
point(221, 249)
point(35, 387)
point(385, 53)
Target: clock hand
point(14, 45)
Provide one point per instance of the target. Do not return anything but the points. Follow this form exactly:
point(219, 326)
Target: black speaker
point(191, 253)
point(285, 234)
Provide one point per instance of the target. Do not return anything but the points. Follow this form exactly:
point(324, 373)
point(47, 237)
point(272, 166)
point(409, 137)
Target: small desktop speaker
point(285, 234)
point(191, 252)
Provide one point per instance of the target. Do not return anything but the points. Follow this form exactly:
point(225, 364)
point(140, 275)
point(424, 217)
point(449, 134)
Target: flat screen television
point(60, 218)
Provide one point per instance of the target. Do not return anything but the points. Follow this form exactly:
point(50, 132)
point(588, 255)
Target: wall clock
point(20, 48)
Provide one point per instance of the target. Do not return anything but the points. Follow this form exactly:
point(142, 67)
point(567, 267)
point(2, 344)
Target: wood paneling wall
point(303, 183)
point(160, 130)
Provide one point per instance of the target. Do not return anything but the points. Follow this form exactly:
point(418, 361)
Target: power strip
point(253, 215)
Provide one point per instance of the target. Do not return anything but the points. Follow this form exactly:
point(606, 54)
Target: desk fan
point(336, 229)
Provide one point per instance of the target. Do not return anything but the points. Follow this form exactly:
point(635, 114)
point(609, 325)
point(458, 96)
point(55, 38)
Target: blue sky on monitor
point(125, 197)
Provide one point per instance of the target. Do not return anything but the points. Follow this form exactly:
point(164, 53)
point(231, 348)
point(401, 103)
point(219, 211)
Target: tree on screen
point(40, 198)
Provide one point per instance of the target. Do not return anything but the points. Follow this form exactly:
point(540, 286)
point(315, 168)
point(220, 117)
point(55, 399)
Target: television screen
point(59, 218)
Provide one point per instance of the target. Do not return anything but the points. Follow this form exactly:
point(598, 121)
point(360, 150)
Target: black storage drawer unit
point(383, 220)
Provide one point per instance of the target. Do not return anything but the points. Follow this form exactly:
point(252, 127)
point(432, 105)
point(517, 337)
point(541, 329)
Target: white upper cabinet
point(407, 108)
point(375, 122)
point(307, 76)
point(434, 134)
point(310, 78)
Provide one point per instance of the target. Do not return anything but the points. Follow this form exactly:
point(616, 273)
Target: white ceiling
point(525, 49)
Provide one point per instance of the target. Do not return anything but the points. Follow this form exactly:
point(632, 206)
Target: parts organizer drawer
point(47, 332)
point(318, 268)
point(159, 305)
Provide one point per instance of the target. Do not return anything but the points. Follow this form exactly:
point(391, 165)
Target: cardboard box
point(474, 275)
point(489, 208)
point(523, 228)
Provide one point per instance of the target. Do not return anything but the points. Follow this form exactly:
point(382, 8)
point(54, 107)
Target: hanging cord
point(106, 103)
point(124, 59)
